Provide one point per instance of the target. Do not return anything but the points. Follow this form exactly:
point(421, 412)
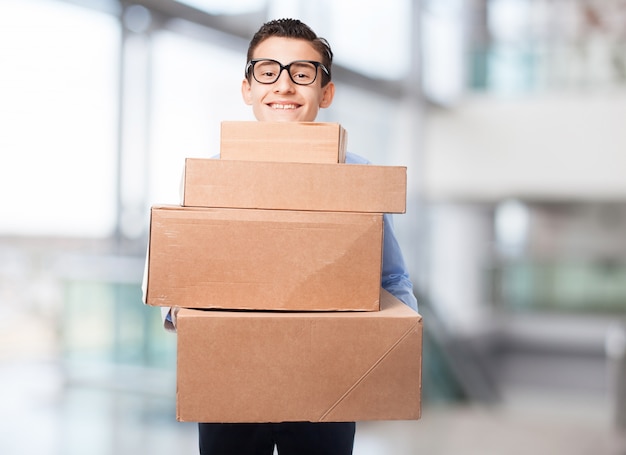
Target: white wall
point(564, 146)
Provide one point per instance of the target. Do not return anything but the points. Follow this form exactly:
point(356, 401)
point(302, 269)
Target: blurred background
point(510, 116)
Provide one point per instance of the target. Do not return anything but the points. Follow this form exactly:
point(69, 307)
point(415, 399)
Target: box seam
point(367, 373)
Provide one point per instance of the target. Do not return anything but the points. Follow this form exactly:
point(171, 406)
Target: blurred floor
point(43, 414)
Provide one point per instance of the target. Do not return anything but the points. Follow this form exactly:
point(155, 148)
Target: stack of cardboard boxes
point(275, 258)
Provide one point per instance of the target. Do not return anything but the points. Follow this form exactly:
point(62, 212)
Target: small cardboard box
point(317, 367)
point(264, 259)
point(301, 142)
point(294, 186)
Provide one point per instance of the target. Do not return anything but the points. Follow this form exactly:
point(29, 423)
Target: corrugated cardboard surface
point(264, 259)
point(276, 367)
point(301, 142)
point(294, 186)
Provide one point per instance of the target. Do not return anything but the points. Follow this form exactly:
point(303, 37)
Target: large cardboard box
point(317, 367)
point(264, 259)
point(294, 186)
point(303, 142)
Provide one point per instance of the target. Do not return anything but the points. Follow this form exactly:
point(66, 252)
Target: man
point(288, 78)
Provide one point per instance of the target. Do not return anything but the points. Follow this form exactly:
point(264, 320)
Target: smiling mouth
point(284, 107)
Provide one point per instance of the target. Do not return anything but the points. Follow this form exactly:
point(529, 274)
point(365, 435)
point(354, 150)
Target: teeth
point(283, 106)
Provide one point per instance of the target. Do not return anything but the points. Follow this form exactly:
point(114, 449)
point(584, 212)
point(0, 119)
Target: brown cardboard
point(317, 367)
point(264, 259)
point(294, 186)
point(302, 142)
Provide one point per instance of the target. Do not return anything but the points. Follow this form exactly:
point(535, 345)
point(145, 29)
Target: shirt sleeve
point(395, 277)
point(166, 315)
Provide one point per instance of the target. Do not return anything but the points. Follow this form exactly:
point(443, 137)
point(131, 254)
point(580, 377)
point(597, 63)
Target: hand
point(174, 314)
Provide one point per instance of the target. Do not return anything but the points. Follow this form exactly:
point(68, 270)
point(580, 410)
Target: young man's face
point(285, 101)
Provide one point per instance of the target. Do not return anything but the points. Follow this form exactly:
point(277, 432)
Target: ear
point(246, 92)
point(328, 93)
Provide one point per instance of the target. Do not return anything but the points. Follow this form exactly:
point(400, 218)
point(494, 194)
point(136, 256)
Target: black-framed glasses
point(301, 72)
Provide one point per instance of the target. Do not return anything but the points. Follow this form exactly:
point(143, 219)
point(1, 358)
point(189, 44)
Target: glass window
point(443, 72)
point(225, 6)
point(58, 116)
point(196, 86)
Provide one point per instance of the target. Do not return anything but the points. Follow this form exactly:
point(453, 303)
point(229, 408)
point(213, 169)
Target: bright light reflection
point(196, 87)
point(57, 116)
point(226, 6)
point(374, 40)
point(442, 55)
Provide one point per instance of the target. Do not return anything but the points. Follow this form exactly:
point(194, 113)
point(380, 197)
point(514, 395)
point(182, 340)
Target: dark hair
point(293, 28)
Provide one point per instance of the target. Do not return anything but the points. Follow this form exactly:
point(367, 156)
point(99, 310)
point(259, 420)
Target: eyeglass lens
point(268, 71)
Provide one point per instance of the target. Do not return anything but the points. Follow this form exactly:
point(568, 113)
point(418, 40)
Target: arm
point(169, 318)
point(395, 277)
point(168, 315)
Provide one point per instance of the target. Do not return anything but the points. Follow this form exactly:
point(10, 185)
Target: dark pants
point(291, 438)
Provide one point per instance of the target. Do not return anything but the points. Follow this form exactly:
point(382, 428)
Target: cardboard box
point(317, 367)
point(301, 142)
point(264, 259)
point(294, 186)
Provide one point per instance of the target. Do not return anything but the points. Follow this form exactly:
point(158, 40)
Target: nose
point(284, 82)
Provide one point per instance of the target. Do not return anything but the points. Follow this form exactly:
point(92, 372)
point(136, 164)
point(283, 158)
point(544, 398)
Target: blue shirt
point(395, 277)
